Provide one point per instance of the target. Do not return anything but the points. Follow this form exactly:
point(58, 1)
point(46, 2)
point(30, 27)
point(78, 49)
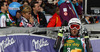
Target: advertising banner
point(33, 43)
point(26, 43)
point(96, 45)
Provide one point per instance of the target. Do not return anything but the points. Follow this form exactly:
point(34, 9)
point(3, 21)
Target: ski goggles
point(72, 26)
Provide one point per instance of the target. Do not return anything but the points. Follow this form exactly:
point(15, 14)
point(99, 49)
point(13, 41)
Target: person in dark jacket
point(38, 15)
point(69, 9)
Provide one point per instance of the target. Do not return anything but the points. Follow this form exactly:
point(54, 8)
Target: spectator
point(18, 18)
point(30, 1)
point(38, 15)
point(96, 19)
point(68, 11)
point(89, 20)
point(55, 20)
point(27, 20)
point(41, 5)
point(86, 20)
point(11, 20)
point(80, 3)
point(8, 1)
point(25, 2)
point(3, 14)
point(78, 8)
point(46, 7)
point(40, 2)
point(49, 8)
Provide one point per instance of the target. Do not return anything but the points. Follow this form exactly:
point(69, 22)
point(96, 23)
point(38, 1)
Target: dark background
point(90, 3)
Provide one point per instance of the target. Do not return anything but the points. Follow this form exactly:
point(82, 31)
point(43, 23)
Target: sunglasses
point(75, 26)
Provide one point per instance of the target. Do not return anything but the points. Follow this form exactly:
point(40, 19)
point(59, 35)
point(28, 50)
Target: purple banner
point(26, 43)
point(96, 45)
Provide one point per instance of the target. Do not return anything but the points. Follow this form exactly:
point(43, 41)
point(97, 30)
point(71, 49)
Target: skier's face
point(74, 29)
point(74, 32)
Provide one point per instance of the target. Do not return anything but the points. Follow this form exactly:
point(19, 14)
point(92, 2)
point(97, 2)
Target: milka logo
point(39, 43)
point(6, 43)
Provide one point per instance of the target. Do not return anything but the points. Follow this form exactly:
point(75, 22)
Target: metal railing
point(51, 32)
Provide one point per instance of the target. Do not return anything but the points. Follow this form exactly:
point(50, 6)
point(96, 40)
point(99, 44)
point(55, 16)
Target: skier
point(74, 42)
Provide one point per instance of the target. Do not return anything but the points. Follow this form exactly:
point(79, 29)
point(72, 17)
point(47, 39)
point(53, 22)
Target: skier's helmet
point(74, 23)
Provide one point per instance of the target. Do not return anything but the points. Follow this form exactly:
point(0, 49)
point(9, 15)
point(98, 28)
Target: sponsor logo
point(6, 43)
point(39, 43)
point(70, 41)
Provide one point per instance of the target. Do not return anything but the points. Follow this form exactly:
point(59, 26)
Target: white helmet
point(74, 21)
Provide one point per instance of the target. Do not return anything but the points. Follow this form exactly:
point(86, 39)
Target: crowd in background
point(32, 13)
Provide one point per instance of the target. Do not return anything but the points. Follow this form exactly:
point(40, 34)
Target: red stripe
point(38, 18)
point(11, 18)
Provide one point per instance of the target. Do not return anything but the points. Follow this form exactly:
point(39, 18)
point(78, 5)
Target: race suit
point(74, 44)
point(69, 43)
